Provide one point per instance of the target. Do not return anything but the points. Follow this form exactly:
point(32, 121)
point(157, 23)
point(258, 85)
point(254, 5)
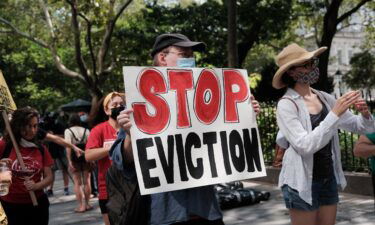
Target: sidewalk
point(352, 209)
point(62, 207)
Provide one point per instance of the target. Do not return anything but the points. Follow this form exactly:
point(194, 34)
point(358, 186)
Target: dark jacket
point(125, 204)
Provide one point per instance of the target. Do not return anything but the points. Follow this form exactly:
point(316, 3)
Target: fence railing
point(268, 130)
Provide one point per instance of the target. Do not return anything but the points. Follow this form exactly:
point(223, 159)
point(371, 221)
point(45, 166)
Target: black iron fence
point(268, 130)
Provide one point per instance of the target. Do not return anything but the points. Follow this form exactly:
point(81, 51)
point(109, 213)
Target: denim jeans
point(324, 192)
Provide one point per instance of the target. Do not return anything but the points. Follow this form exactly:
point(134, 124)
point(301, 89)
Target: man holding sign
point(182, 136)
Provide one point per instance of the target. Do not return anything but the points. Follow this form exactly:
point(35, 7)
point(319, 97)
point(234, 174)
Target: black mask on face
point(116, 111)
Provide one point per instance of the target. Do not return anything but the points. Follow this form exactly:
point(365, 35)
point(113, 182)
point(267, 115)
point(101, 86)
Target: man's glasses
point(181, 54)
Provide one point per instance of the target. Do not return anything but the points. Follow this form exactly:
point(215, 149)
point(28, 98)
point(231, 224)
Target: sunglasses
point(309, 64)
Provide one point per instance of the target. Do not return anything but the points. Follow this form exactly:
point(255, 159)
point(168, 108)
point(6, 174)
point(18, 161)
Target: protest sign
point(6, 100)
point(191, 127)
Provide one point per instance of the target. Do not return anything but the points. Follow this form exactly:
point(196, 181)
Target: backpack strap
point(74, 136)
point(324, 96)
point(83, 136)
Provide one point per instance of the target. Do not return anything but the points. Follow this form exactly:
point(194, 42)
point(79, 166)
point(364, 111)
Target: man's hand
point(255, 104)
point(123, 119)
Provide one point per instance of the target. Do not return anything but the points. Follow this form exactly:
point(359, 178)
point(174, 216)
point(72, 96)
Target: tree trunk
point(331, 20)
point(95, 93)
point(243, 49)
point(329, 31)
point(232, 34)
point(324, 83)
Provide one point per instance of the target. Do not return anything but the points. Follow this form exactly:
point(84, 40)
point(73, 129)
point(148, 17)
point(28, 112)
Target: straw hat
point(290, 56)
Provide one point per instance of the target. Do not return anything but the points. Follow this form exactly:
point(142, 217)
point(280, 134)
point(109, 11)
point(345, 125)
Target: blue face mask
point(186, 62)
point(83, 118)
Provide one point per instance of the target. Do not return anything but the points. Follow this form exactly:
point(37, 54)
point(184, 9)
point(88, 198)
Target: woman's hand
point(345, 101)
point(6, 177)
point(71, 167)
point(77, 151)
point(123, 119)
point(361, 106)
point(31, 185)
point(8, 161)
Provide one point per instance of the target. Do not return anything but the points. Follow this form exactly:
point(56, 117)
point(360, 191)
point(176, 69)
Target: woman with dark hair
point(309, 120)
point(77, 135)
point(38, 174)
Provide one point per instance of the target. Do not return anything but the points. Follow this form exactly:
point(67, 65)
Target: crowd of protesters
point(308, 120)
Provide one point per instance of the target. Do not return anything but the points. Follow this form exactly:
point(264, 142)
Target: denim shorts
point(324, 192)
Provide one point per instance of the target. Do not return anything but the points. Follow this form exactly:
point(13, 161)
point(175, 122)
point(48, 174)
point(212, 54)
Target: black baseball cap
point(165, 40)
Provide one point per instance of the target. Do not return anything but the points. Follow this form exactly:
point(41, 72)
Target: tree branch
point(22, 34)
point(77, 40)
point(108, 35)
point(105, 73)
point(350, 12)
point(6, 32)
point(348, 25)
point(89, 42)
point(60, 66)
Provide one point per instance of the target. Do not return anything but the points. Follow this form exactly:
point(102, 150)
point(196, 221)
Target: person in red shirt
point(38, 174)
point(99, 142)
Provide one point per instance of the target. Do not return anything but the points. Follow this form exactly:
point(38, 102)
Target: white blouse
point(294, 123)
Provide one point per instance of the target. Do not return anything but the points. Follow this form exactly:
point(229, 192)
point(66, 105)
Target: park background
point(53, 52)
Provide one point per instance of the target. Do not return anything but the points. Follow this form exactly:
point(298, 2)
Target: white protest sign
point(191, 127)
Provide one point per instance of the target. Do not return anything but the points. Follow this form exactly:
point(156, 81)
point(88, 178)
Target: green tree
point(257, 21)
point(232, 33)
point(25, 65)
point(362, 74)
point(325, 18)
point(77, 35)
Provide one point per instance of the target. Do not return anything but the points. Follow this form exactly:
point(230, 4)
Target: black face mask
point(116, 111)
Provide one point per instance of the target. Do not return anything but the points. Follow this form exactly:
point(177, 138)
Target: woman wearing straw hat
point(309, 119)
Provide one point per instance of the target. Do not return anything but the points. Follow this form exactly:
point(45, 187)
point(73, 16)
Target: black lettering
point(193, 140)
point(210, 139)
point(167, 166)
point(181, 157)
point(238, 161)
point(224, 148)
point(252, 150)
point(146, 164)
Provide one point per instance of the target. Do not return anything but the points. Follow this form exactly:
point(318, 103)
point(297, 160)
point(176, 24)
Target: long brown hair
point(20, 119)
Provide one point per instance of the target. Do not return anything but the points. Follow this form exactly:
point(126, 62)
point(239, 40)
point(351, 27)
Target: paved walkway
point(353, 209)
point(62, 207)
